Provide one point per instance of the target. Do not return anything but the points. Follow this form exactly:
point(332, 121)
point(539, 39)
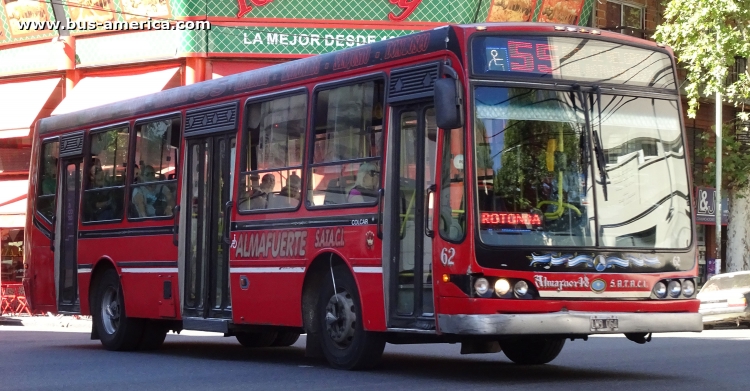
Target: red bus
point(329, 196)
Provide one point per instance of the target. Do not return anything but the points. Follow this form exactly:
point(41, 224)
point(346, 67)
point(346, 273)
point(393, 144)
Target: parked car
point(724, 299)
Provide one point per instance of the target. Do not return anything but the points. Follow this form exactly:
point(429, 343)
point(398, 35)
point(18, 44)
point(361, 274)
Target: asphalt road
point(52, 357)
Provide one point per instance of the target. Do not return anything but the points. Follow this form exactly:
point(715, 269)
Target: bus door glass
point(68, 268)
point(413, 180)
point(209, 176)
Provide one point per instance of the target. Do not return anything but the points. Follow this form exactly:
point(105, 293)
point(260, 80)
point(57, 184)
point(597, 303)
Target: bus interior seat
point(276, 200)
point(337, 190)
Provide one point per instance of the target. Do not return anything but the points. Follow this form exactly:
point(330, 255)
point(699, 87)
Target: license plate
point(604, 323)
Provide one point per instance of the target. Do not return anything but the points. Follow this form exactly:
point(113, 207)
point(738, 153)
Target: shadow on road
point(5, 321)
point(454, 368)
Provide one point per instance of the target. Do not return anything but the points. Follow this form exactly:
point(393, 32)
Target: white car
point(724, 299)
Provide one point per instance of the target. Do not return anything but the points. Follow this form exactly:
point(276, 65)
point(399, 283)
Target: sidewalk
point(46, 322)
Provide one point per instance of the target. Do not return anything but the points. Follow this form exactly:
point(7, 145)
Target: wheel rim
point(341, 319)
point(110, 310)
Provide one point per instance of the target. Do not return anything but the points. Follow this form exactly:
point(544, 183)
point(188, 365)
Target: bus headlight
point(675, 288)
point(502, 286)
point(688, 288)
point(481, 286)
point(521, 288)
point(660, 290)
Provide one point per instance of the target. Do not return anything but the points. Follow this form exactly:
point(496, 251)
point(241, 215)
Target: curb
point(47, 322)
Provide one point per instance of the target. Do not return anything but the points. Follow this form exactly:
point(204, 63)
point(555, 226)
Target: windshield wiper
point(584, 143)
point(598, 150)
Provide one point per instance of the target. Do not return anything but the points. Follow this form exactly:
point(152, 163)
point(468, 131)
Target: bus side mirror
point(448, 104)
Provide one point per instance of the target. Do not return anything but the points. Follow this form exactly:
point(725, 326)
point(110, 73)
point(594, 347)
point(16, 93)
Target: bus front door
point(206, 262)
point(67, 256)
point(410, 180)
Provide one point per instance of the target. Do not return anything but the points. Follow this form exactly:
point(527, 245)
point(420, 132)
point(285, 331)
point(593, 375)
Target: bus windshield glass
point(538, 178)
point(646, 202)
point(531, 168)
point(567, 58)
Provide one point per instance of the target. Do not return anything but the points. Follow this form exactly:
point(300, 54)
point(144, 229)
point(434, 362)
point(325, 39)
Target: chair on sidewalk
point(21, 304)
point(7, 299)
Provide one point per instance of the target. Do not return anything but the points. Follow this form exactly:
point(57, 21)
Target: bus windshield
point(538, 177)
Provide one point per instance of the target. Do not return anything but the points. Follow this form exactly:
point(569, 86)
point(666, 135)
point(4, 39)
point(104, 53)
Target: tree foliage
point(707, 37)
point(735, 160)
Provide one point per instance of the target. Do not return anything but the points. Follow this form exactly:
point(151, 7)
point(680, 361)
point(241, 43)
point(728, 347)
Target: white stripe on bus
point(368, 269)
point(267, 270)
point(149, 270)
point(623, 294)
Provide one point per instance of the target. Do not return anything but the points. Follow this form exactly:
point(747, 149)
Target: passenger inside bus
point(365, 187)
point(152, 199)
point(102, 204)
point(136, 174)
point(260, 196)
point(289, 196)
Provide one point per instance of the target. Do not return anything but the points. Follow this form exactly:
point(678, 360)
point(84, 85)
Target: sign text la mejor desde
point(407, 7)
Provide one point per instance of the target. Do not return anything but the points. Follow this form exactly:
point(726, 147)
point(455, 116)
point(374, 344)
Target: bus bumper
point(569, 323)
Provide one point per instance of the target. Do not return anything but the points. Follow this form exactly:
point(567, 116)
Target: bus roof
point(295, 71)
point(263, 78)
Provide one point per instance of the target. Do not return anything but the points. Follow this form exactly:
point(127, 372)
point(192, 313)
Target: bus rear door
point(66, 243)
point(206, 210)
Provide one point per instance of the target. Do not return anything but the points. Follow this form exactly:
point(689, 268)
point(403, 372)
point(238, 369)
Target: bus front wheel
point(345, 342)
point(532, 350)
point(286, 338)
point(116, 331)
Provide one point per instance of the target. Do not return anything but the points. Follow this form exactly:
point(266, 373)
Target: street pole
point(717, 198)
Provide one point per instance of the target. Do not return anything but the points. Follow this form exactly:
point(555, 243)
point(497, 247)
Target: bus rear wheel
point(116, 331)
point(154, 334)
point(257, 340)
point(345, 343)
point(532, 350)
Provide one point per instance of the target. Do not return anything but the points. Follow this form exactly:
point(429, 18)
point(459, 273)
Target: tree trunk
point(738, 231)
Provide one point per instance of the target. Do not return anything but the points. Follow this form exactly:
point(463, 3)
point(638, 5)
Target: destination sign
point(575, 59)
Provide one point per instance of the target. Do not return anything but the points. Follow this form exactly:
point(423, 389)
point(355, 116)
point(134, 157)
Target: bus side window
point(274, 140)
point(348, 142)
point(154, 184)
point(104, 193)
point(47, 187)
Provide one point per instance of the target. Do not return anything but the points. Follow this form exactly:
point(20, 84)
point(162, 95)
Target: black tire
point(533, 350)
point(154, 333)
point(256, 340)
point(116, 331)
point(345, 343)
point(285, 338)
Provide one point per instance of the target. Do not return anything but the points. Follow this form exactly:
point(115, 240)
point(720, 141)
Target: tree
point(707, 37)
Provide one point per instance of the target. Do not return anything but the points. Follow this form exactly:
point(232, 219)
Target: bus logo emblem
point(370, 239)
point(600, 263)
point(598, 285)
